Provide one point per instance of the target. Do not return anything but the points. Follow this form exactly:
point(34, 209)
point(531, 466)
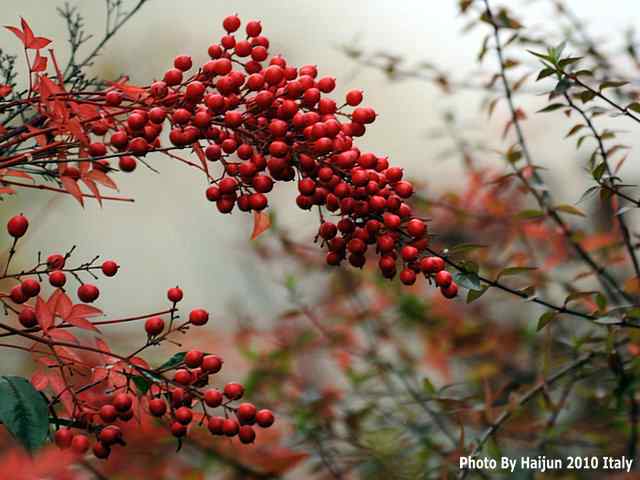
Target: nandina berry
point(198, 316)
point(174, 294)
point(55, 261)
point(157, 407)
point(246, 434)
point(265, 418)
point(127, 163)
point(139, 146)
point(97, 149)
point(27, 317)
point(184, 415)
point(409, 253)
point(154, 326)
point(122, 402)
point(173, 77)
point(354, 97)
point(178, 430)
point(183, 62)
point(408, 276)
point(233, 391)
point(88, 293)
point(258, 201)
point(213, 398)
point(119, 139)
point(113, 98)
point(231, 23)
point(17, 226)
point(109, 268)
point(416, 228)
point(63, 438)
point(126, 416)
point(403, 189)
point(262, 183)
point(17, 295)
point(215, 425)
point(57, 278)
point(30, 287)
point(108, 413)
point(450, 291)
point(110, 434)
point(183, 377)
point(193, 358)
point(391, 220)
point(80, 444)
point(246, 412)
point(253, 28)
point(230, 427)
point(443, 278)
point(212, 363)
point(100, 450)
point(431, 264)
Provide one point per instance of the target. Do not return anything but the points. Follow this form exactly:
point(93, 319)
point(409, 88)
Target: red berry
point(63, 438)
point(173, 77)
point(178, 429)
point(246, 434)
point(246, 412)
point(198, 317)
point(157, 407)
point(55, 261)
point(183, 62)
point(57, 278)
point(110, 435)
point(30, 287)
point(97, 149)
point(174, 294)
point(253, 28)
point(230, 427)
point(265, 418)
point(88, 293)
point(408, 276)
point(154, 326)
point(127, 164)
point(213, 398)
point(233, 390)
point(215, 425)
point(184, 415)
point(231, 23)
point(416, 228)
point(28, 317)
point(443, 278)
point(354, 97)
point(80, 444)
point(110, 268)
point(100, 450)
point(17, 295)
point(409, 253)
point(113, 98)
point(17, 226)
point(212, 363)
point(108, 413)
point(183, 376)
point(431, 264)
point(122, 402)
point(450, 291)
point(193, 358)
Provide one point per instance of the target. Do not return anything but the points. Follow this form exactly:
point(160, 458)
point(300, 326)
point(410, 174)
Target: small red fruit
point(157, 407)
point(57, 278)
point(174, 294)
point(215, 425)
point(450, 291)
point(110, 435)
point(63, 438)
point(108, 413)
point(80, 444)
point(28, 317)
point(122, 402)
point(154, 326)
point(246, 434)
point(30, 287)
point(233, 390)
point(183, 377)
point(193, 358)
point(212, 363)
point(184, 415)
point(101, 451)
point(230, 427)
point(88, 293)
point(213, 398)
point(110, 268)
point(199, 317)
point(178, 429)
point(443, 278)
point(265, 418)
point(246, 412)
point(17, 226)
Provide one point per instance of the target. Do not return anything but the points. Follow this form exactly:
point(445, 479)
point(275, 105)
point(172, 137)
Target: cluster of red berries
point(54, 269)
point(264, 121)
point(173, 398)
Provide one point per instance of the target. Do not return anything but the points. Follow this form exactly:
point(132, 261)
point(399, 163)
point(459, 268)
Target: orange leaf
point(102, 178)
point(43, 314)
point(71, 186)
point(261, 223)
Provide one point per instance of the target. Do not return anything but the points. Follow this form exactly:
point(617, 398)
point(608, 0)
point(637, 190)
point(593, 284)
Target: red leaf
point(43, 314)
point(17, 32)
point(62, 305)
point(39, 380)
point(59, 388)
point(102, 178)
point(39, 42)
point(81, 322)
point(63, 335)
point(77, 131)
point(28, 33)
point(71, 186)
point(94, 189)
point(83, 310)
point(39, 63)
point(203, 160)
point(261, 223)
point(5, 90)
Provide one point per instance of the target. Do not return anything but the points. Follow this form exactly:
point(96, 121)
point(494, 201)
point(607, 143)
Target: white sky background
point(172, 234)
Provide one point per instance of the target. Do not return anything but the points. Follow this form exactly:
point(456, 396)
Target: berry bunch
point(97, 397)
point(263, 121)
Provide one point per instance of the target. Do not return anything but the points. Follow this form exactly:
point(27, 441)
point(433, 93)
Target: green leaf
point(598, 171)
point(142, 384)
point(551, 108)
point(635, 106)
point(527, 214)
point(574, 130)
point(428, 386)
point(174, 361)
point(24, 412)
point(473, 295)
point(568, 61)
point(612, 84)
point(515, 271)
point(570, 209)
point(577, 295)
point(545, 72)
point(468, 280)
point(545, 319)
